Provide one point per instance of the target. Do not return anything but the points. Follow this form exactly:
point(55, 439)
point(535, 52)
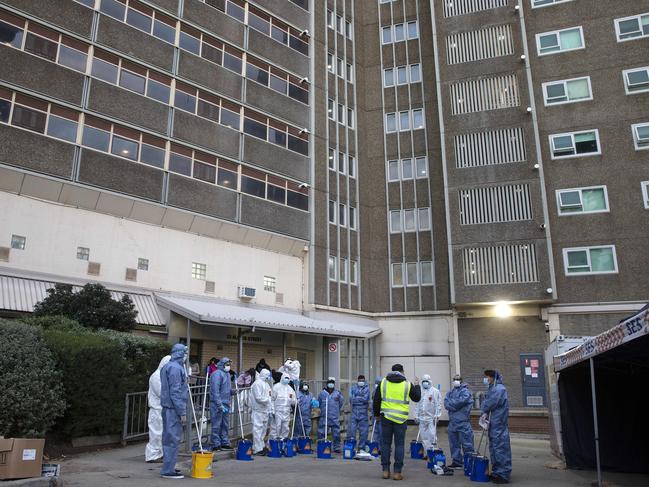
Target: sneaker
point(455, 465)
point(499, 480)
point(260, 453)
point(226, 447)
point(172, 476)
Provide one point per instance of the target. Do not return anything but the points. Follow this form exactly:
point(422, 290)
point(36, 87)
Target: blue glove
point(225, 409)
point(315, 403)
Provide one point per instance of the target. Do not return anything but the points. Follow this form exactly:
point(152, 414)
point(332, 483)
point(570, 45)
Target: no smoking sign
point(333, 347)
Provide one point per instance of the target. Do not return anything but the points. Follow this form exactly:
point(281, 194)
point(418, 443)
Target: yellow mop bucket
point(202, 465)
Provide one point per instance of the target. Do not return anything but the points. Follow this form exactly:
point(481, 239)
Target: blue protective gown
point(304, 402)
point(220, 394)
point(333, 405)
point(458, 403)
point(359, 398)
point(173, 399)
point(496, 403)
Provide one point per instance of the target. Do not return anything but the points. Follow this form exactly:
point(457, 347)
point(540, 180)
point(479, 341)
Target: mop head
point(437, 470)
point(363, 456)
point(292, 368)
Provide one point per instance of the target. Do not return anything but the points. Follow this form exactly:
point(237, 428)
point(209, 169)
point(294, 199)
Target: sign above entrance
point(333, 347)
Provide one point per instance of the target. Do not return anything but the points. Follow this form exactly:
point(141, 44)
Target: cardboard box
point(20, 458)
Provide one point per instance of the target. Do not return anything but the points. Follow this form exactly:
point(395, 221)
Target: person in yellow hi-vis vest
point(390, 406)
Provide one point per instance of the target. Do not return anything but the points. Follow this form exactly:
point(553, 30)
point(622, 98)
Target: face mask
point(226, 368)
point(486, 381)
point(305, 388)
point(456, 383)
point(330, 385)
point(361, 383)
point(285, 381)
point(425, 384)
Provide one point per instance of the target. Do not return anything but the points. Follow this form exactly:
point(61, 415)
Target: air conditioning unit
point(247, 292)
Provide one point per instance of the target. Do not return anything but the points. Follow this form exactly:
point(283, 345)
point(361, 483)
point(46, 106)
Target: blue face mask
point(486, 381)
point(330, 385)
point(425, 384)
point(285, 381)
point(361, 383)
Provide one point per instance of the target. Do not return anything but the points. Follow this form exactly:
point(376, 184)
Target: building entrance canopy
point(214, 312)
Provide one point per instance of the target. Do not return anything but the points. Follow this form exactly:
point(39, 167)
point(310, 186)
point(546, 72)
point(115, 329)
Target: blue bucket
point(416, 450)
point(468, 463)
point(480, 469)
point(349, 449)
point(276, 448)
point(244, 450)
point(436, 457)
point(290, 447)
point(373, 447)
point(304, 445)
point(324, 449)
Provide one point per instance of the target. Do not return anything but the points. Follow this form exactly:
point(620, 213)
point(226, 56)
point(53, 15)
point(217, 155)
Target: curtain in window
point(571, 39)
point(601, 260)
point(578, 89)
point(593, 199)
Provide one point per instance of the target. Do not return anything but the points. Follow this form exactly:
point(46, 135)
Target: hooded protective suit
point(429, 409)
point(496, 404)
point(458, 403)
point(359, 398)
point(332, 403)
point(174, 394)
point(220, 395)
point(261, 405)
point(305, 401)
point(153, 450)
point(283, 400)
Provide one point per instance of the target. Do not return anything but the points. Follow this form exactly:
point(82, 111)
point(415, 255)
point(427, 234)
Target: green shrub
point(31, 392)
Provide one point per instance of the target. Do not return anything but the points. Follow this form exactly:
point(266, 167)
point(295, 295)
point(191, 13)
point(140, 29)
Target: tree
point(92, 306)
point(32, 391)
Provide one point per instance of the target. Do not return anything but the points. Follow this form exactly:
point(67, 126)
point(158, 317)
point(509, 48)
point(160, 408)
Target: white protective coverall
point(261, 405)
point(283, 398)
point(429, 409)
point(153, 450)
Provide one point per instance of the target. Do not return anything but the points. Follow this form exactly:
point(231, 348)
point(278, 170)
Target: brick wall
point(520, 422)
point(589, 324)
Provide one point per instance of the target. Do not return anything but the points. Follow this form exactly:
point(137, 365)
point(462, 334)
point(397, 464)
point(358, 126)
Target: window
point(331, 19)
point(352, 218)
point(413, 30)
point(104, 70)
point(331, 109)
point(353, 272)
point(415, 73)
point(388, 77)
point(11, 35)
point(397, 275)
point(113, 8)
point(399, 32)
point(560, 41)
point(636, 80)
point(83, 253)
point(333, 271)
point(391, 122)
point(409, 221)
point(72, 58)
point(132, 81)
point(143, 264)
point(423, 219)
point(342, 215)
point(62, 128)
point(343, 270)
point(417, 119)
point(96, 138)
point(393, 170)
point(29, 119)
point(426, 273)
point(422, 167)
point(411, 119)
point(18, 242)
point(348, 30)
point(332, 159)
point(641, 135)
point(395, 221)
point(270, 284)
point(632, 27)
point(125, 148)
point(199, 271)
point(567, 91)
point(575, 144)
point(332, 211)
point(582, 200)
point(644, 186)
point(545, 3)
point(351, 166)
point(404, 121)
point(412, 274)
point(406, 169)
point(590, 260)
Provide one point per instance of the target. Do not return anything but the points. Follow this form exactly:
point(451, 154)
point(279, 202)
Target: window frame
point(566, 251)
point(617, 27)
point(554, 2)
point(18, 242)
point(332, 265)
point(625, 78)
point(634, 133)
point(581, 200)
point(558, 33)
point(565, 82)
point(572, 134)
point(393, 266)
point(644, 187)
point(199, 269)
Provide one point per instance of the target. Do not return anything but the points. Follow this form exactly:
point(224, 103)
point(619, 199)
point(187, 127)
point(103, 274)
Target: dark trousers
point(389, 430)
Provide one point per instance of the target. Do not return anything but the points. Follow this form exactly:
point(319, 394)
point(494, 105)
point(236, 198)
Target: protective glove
point(183, 420)
point(225, 409)
point(315, 403)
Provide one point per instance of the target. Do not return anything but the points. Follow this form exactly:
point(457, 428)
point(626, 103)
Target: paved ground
point(126, 467)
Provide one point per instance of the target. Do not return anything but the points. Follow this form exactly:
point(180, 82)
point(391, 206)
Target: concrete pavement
point(126, 467)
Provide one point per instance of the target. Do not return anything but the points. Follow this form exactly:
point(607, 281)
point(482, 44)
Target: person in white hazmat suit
point(153, 450)
point(429, 409)
point(261, 403)
point(284, 398)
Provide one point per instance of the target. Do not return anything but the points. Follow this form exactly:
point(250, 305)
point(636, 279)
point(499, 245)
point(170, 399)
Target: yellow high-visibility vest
point(395, 400)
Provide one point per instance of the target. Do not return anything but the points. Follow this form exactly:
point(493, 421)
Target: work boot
point(386, 474)
point(397, 476)
point(226, 447)
point(216, 448)
point(499, 480)
point(260, 453)
point(455, 465)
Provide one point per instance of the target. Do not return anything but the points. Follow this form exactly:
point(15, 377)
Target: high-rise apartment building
point(444, 183)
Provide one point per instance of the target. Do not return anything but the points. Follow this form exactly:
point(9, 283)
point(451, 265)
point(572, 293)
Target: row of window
point(345, 216)
point(593, 199)
point(412, 274)
point(409, 168)
point(411, 220)
point(343, 271)
point(453, 8)
point(337, 66)
point(344, 116)
point(339, 24)
point(399, 32)
point(94, 133)
point(405, 120)
point(402, 75)
point(344, 163)
point(586, 142)
point(165, 28)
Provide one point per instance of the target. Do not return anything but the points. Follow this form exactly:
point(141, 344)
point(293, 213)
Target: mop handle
point(373, 429)
point(191, 402)
point(326, 414)
point(207, 376)
point(301, 420)
point(482, 436)
point(294, 416)
point(417, 440)
point(236, 387)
